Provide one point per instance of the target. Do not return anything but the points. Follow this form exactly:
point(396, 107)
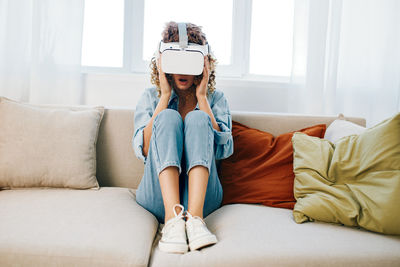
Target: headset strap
point(183, 39)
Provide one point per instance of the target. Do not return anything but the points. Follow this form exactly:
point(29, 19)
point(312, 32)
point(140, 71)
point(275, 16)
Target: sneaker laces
point(171, 222)
point(190, 216)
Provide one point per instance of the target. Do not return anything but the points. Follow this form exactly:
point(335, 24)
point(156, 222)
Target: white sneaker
point(173, 238)
point(198, 234)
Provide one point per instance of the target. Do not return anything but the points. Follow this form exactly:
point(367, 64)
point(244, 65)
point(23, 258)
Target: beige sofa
point(105, 227)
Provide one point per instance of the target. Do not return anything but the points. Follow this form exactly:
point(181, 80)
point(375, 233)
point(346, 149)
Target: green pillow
point(355, 182)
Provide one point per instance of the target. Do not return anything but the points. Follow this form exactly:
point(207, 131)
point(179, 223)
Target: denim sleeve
point(143, 114)
point(223, 140)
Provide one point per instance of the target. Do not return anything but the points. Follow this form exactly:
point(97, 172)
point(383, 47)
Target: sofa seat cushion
point(255, 235)
point(67, 227)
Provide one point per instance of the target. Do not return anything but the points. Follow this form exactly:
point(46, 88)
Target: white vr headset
point(183, 57)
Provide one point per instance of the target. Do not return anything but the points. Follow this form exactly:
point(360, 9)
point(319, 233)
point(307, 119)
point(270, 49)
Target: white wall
point(124, 90)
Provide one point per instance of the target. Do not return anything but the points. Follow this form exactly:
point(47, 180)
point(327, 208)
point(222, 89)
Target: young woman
point(182, 126)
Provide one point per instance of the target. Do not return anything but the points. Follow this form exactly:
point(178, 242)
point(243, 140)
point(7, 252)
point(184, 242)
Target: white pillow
point(340, 128)
point(48, 146)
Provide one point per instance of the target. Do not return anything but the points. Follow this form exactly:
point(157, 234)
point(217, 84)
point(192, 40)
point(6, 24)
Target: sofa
point(106, 227)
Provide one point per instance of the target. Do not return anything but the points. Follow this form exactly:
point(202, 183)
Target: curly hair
point(195, 35)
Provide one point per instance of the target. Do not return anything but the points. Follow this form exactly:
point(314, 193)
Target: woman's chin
point(183, 87)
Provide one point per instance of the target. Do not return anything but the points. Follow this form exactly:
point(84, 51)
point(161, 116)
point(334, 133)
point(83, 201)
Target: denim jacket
point(223, 141)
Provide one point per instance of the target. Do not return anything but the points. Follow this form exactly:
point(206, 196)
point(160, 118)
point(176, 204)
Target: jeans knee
point(198, 118)
point(169, 118)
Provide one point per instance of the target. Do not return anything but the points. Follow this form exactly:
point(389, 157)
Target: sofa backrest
point(118, 166)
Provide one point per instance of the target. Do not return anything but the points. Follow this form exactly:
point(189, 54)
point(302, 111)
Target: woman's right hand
point(164, 84)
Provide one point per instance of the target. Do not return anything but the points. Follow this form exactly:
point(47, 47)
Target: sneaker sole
point(173, 247)
point(202, 242)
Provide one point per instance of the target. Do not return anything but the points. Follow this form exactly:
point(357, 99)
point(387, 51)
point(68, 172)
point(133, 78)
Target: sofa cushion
point(340, 128)
point(354, 182)
point(67, 227)
point(48, 146)
point(260, 171)
point(256, 235)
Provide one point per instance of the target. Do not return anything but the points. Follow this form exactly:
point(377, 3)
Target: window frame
point(240, 45)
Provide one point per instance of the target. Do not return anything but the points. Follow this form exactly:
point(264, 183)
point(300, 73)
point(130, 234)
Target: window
point(271, 45)
point(250, 38)
point(103, 28)
point(216, 23)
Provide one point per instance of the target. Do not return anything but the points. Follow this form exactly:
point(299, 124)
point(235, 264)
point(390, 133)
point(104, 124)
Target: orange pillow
point(261, 167)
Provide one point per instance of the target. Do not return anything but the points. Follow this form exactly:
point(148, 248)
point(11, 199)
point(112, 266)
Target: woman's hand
point(201, 94)
point(201, 89)
point(162, 104)
point(164, 84)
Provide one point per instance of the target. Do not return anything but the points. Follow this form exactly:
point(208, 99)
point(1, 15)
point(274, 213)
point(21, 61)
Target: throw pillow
point(355, 182)
point(341, 128)
point(48, 146)
point(261, 167)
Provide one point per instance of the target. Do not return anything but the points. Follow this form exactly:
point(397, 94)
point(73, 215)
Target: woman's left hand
point(201, 89)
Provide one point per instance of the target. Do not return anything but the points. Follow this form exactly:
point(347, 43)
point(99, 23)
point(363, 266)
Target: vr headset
point(183, 57)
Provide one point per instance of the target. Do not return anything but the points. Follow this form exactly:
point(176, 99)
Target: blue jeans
point(183, 144)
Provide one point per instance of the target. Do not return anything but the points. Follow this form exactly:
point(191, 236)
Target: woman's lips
point(182, 81)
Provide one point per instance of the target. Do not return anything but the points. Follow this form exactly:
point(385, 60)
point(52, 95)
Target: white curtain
point(347, 58)
point(40, 50)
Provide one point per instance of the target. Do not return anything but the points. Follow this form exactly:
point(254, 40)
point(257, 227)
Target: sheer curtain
point(40, 50)
point(347, 58)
